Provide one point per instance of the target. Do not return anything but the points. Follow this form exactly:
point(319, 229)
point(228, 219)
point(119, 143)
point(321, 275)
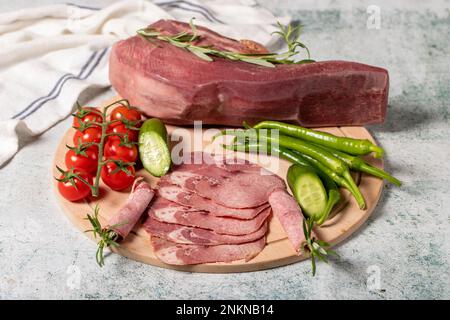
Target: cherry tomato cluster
point(118, 155)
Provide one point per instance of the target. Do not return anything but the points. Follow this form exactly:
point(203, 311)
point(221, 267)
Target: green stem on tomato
point(104, 125)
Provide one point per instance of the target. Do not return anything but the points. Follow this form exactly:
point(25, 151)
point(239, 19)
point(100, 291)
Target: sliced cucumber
point(153, 147)
point(308, 189)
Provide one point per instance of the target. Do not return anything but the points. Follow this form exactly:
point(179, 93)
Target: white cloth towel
point(52, 54)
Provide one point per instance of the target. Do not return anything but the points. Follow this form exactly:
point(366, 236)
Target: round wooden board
point(278, 251)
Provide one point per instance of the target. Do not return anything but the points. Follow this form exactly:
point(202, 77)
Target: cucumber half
point(308, 190)
point(153, 147)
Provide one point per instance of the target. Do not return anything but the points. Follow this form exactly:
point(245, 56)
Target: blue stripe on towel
point(80, 76)
point(83, 7)
point(174, 5)
point(208, 14)
point(55, 87)
point(63, 79)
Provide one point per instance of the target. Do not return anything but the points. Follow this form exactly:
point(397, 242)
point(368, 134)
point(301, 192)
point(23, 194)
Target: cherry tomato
point(88, 162)
point(122, 112)
point(90, 116)
point(92, 134)
point(121, 129)
point(81, 190)
point(118, 180)
point(113, 150)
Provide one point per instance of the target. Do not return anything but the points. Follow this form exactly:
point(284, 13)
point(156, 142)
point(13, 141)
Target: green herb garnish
point(108, 237)
point(186, 41)
point(315, 247)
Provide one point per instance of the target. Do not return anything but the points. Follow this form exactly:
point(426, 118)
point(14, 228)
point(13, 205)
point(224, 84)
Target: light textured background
point(407, 239)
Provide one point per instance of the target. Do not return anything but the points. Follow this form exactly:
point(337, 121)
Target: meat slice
point(288, 212)
point(170, 212)
point(202, 162)
point(177, 194)
point(185, 254)
point(127, 217)
point(173, 84)
point(189, 235)
point(235, 189)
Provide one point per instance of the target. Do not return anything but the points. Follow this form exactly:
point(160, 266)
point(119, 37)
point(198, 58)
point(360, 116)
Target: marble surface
point(402, 252)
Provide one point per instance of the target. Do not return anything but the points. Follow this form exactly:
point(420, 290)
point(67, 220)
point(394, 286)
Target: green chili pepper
point(334, 167)
point(358, 164)
point(332, 190)
point(340, 181)
point(348, 145)
point(334, 196)
point(323, 156)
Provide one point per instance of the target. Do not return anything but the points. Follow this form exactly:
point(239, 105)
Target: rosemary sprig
point(290, 35)
point(315, 247)
point(108, 237)
point(186, 40)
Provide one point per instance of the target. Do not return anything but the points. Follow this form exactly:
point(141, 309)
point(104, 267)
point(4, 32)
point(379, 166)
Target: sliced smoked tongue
point(235, 189)
point(186, 254)
point(190, 235)
point(190, 199)
point(219, 210)
point(171, 212)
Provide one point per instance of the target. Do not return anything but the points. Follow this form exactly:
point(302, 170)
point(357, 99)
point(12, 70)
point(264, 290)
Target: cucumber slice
point(153, 147)
point(308, 189)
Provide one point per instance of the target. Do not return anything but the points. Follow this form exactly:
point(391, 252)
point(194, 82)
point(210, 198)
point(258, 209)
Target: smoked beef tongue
point(170, 212)
point(190, 199)
point(127, 217)
point(288, 212)
point(231, 189)
point(190, 235)
point(173, 84)
point(185, 254)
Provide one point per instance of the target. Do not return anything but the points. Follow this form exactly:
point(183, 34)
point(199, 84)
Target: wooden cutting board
point(278, 251)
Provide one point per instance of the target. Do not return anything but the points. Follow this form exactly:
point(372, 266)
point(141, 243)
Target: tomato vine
point(86, 118)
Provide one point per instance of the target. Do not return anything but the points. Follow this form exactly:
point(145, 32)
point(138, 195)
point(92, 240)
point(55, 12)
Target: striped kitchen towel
point(52, 54)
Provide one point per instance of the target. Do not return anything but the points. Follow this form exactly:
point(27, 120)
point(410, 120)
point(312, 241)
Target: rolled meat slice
point(288, 212)
point(127, 217)
point(190, 235)
point(187, 254)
